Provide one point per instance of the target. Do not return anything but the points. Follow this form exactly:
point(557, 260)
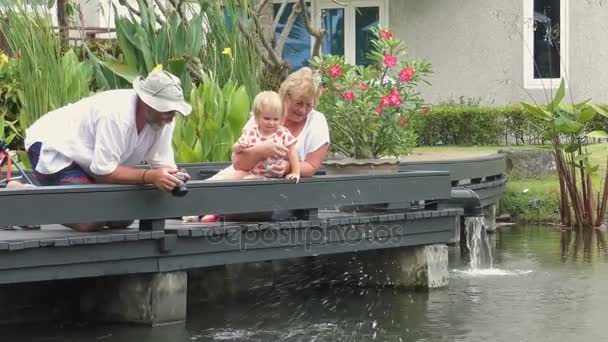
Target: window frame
point(528, 49)
point(350, 38)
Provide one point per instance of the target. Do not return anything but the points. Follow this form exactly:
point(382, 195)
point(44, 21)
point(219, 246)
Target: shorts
point(71, 175)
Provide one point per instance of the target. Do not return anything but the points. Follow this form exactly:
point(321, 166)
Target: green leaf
point(566, 107)
point(597, 135)
point(238, 110)
point(143, 45)
point(126, 41)
point(567, 126)
point(594, 169)
point(189, 133)
point(571, 148)
point(537, 111)
point(177, 66)
point(559, 95)
point(123, 70)
point(198, 150)
point(187, 155)
point(587, 114)
point(599, 110)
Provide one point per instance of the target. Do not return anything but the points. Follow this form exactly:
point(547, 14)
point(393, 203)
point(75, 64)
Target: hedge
point(477, 125)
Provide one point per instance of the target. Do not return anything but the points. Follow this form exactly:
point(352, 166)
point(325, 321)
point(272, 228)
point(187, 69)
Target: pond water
point(545, 285)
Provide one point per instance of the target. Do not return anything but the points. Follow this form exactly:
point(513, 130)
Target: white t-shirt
point(314, 134)
point(99, 133)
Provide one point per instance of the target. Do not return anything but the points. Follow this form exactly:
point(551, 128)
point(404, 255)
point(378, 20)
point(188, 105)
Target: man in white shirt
point(100, 139)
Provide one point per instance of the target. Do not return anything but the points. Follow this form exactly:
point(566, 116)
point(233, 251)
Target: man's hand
point(162, 178)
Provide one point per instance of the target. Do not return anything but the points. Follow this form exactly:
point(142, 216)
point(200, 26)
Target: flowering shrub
point(10, 103)
point(369, 107)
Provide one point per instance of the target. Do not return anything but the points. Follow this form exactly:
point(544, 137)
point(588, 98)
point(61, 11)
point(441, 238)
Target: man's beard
point(154, 126)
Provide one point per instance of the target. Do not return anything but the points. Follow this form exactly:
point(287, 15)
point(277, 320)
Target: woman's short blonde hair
point(267, 100)
point(300, 85)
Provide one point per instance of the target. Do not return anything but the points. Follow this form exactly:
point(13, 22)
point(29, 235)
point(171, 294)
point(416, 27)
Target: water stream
point(477, 243)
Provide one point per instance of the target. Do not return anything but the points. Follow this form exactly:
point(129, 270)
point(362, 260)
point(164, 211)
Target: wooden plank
point(38, 257)
point(461, 169)
point(97, 202)
point(178, 262)
point(78, 270)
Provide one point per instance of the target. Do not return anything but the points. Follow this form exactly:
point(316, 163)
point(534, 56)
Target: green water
point(546, 285)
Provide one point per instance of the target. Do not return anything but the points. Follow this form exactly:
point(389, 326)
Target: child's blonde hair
point(267, 100)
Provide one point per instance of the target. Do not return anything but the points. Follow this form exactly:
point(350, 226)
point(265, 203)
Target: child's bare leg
point(224, 176)
point(230, 175)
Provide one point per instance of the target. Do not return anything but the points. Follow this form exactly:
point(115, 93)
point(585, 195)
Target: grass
point(529, 199)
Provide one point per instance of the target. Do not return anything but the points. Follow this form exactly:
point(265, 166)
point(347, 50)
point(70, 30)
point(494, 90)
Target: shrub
point(458, 125)
point(369, 107)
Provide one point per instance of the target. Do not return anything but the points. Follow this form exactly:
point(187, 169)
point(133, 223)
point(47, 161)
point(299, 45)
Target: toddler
point(268, 115)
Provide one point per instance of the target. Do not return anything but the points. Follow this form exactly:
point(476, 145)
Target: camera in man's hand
point(180, 189)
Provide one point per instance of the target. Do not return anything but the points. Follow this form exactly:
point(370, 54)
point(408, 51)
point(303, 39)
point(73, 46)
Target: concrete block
point(489, 213)
point(150, 299)
point(421, 267)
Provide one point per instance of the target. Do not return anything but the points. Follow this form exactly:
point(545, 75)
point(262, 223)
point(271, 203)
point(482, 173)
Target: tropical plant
point(9, 87)
point(145, 45)
point(31, 39)
point(172, 34)
point(227, 54)
point(368, 107)
point(76, 77)
point(48, 79)
point(218, 115)
point(566, 125)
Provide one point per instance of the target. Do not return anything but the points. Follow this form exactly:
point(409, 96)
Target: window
point(348, 26)
point(545, 42)
point(298, 46)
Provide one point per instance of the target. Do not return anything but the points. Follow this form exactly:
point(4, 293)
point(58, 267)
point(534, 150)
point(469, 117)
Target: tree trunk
point(63, 22)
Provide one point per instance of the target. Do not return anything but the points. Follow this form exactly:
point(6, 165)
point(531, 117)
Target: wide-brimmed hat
point(162, 91)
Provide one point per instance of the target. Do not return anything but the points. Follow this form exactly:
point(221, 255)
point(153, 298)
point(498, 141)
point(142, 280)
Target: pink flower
point(389, 60)
point(385, 101)
point(349, 96)
point(402, 123)
point(378, 109)
point(426, 110)
point(385, 34)
point(394, 98)
point(406, 74)
point(335, 71)
point(363, 86)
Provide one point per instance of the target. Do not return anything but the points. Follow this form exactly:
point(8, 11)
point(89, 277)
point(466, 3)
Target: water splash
point(481, 262)
point(491, 272)
point(480, 253)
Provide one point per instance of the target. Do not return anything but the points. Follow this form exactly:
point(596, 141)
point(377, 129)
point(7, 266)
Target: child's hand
point(293, 176)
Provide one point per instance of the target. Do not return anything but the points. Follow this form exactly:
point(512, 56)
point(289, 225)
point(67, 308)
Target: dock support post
point(489, 213)
point(423, 267)
point(150, 299)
